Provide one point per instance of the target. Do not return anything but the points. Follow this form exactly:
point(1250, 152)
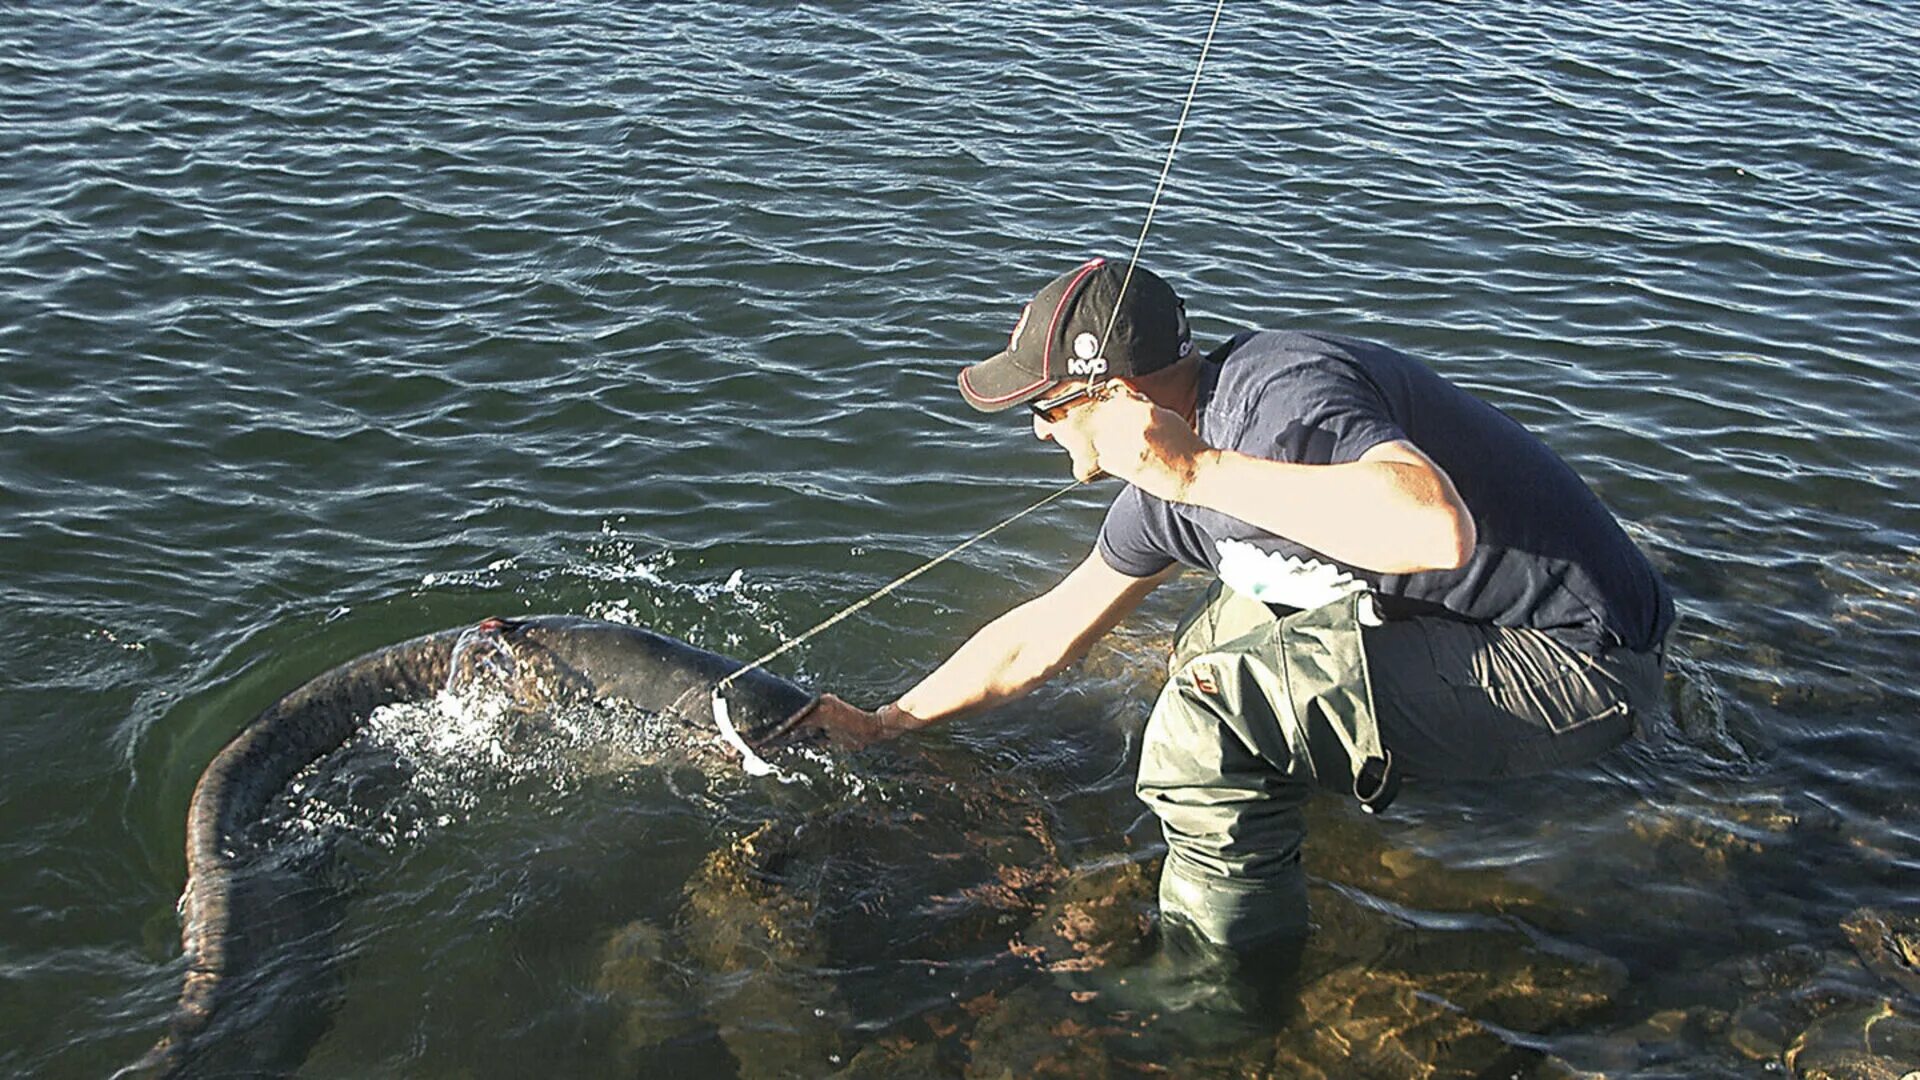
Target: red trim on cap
point(967, 385)
point(1046, 353)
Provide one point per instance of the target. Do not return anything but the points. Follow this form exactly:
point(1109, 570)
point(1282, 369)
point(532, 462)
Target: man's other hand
point(1130, 437)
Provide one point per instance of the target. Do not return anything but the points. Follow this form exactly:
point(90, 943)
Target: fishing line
point(892, 585)
point(758, 766)
point(1160, 185)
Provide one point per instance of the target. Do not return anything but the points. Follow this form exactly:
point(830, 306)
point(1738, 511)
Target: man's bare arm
point(1030, 644)
point(1393, 510)
point(1004, 659)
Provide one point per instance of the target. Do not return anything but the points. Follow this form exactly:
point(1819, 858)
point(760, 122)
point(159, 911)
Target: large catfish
point(239, 913)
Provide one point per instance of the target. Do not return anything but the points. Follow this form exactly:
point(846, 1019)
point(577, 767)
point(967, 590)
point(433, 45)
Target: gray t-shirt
point(1549, 554)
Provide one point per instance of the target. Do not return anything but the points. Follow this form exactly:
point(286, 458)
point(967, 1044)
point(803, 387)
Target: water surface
point(325, 325)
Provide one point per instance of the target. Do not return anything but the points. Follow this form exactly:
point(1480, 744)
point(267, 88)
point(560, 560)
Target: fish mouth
point(784, 732)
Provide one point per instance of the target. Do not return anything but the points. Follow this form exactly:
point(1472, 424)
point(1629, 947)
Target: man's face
point(1054, 419)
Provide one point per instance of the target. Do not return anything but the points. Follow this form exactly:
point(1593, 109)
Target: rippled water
point(325, 325)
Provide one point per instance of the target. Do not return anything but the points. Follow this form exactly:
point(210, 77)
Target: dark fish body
point(231, 921)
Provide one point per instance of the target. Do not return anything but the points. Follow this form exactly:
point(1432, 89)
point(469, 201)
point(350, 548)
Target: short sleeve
point(1318, 411)
point(1127, 542)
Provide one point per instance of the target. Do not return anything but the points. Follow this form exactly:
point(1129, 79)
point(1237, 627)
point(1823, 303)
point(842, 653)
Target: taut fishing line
point(756, 765)
point(1160, 185)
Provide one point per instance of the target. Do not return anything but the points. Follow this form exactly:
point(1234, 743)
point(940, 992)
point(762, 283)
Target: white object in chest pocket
point(1288, 580)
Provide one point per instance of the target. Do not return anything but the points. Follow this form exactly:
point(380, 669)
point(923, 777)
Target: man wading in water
point(1407, 583)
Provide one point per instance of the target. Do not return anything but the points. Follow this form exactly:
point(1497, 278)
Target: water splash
point(418, 767)
point(487, 578)
point(481, 655)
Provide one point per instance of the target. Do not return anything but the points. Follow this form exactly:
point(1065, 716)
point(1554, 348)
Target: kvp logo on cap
point(1086, 356)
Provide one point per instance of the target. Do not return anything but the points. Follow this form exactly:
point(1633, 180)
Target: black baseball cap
point(1059, 335)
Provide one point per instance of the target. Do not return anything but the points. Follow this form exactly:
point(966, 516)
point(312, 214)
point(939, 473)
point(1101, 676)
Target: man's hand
point(847, 726)
point(1132, 438)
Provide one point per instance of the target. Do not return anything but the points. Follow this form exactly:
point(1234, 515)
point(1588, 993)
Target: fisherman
point(1406, 583)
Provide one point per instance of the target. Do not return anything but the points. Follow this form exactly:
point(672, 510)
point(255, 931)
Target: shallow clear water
point(325, 325)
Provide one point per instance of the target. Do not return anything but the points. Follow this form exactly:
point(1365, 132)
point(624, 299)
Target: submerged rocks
point(740, 964)
point(1358, 1023)
point(741, 919)
point(889, 1058)
point(1095, 919)
point(637, 975)
point(1036, 967)
point(1816, 1014)
point(1428, 1003)
point(1347, 846)
point(739, 916)
point(771, 920)
point(1028, 1036)
point(1367, 997)
point(1860, 1043)
point(1888, 945)
point(1823, 1013)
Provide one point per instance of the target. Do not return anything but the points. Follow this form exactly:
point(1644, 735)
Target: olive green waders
point(1261, 707)
point(1230, 756)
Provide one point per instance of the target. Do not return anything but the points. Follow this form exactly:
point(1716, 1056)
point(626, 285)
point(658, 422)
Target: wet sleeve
point(1128, 540)
point(1321, 411)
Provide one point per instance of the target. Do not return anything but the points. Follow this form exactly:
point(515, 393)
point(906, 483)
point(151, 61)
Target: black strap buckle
point(1377, 782)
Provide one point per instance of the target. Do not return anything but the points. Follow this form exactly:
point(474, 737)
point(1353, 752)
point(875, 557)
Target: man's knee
point(1232, 820)
point(1235, 911)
